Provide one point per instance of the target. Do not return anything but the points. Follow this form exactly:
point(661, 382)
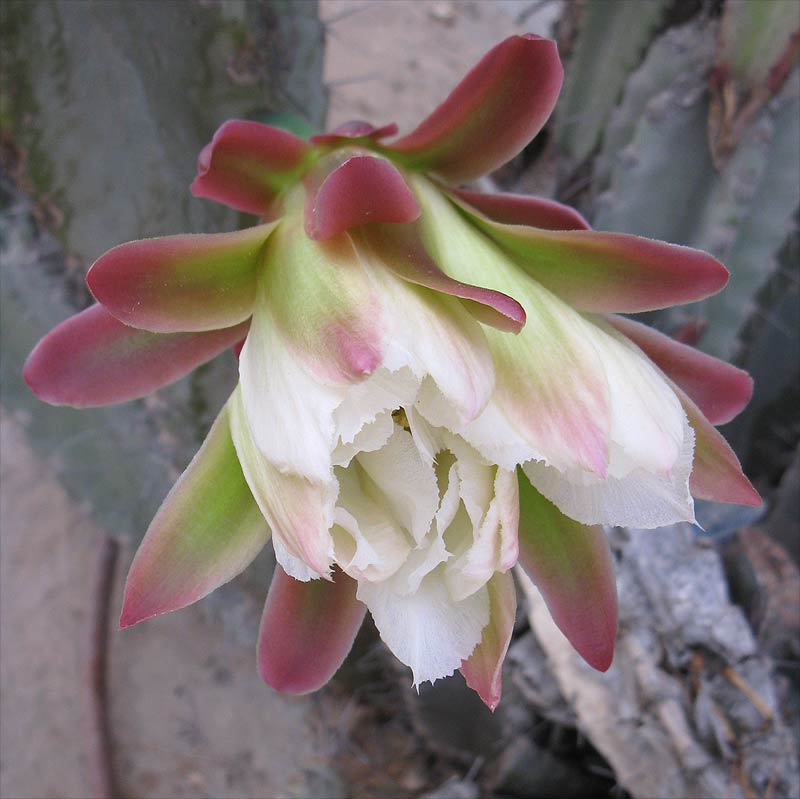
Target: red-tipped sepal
point(351, 132)
point(607, 272)
point(401, 250)
point(247, 165)
point(523, 209)
point(181, 283)
point(207, 530)
point(572, 567)
point(362, 189)
point(502, 103)
point(307, 630)
point(93, 359)
point(721, 391)
point(716, 472)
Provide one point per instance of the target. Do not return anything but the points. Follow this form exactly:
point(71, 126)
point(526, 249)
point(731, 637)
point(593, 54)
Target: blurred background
point(679, 120)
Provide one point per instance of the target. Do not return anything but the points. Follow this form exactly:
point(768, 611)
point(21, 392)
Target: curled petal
point(299, 511)
point(483, 669)
point(500, 105)
point(181, 283)
point(641, 497)
point(207, 530)
point(356, 129)
point(246, 165)
point(572, 566)
point(616, 272)
point(522, 209)
point(488, 541)
point(434, 335)
point(306, 631)
point(720, 390)
point(362, 189)
point(406, 482)
point(716, 473)
point(93, 359)
point(402, 251)
point(370, 543)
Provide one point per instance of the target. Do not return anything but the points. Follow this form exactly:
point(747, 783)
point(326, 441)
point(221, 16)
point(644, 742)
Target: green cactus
point(740, 212)
point(611, 39)
point(99, 147)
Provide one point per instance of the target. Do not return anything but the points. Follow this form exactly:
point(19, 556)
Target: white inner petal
point(369, 542)
point(384, 390)
point(372, 436)
point(299, 511)
point(406, 481)
point(427, 630)
point(439, 338)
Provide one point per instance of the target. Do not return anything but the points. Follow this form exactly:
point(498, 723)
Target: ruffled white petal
point(427, 439)
point(373, 435)
point(640, 499)
point(427, 630)
point(651, 446)
point(438, 338)
point(393, 386)
point(506, 495)
point(487, 540)
point(369, 542)
point(647, 419)
point(497, 440)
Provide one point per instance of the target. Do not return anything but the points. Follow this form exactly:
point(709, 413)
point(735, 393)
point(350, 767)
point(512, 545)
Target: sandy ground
point(394, 60)
point(189, 714)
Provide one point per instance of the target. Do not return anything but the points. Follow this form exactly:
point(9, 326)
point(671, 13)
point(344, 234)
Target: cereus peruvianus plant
point(434, 383)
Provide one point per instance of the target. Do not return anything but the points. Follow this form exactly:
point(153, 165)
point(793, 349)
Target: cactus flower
point(433, 384)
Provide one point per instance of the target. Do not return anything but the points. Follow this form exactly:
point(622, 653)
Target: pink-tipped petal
point(716, 472)
point(607, 272)
point(356, 129)
point(299, 511)
point(483, 669)
point(721, 391)
point(522, 209)
point(502, 103)
point(181, 283)
point(307, 630)
point(93, 359)
point(320, 299)
point(402, 251)
point(247, 165)
point(207, 530)
point(572, 566)
point(362, 189)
